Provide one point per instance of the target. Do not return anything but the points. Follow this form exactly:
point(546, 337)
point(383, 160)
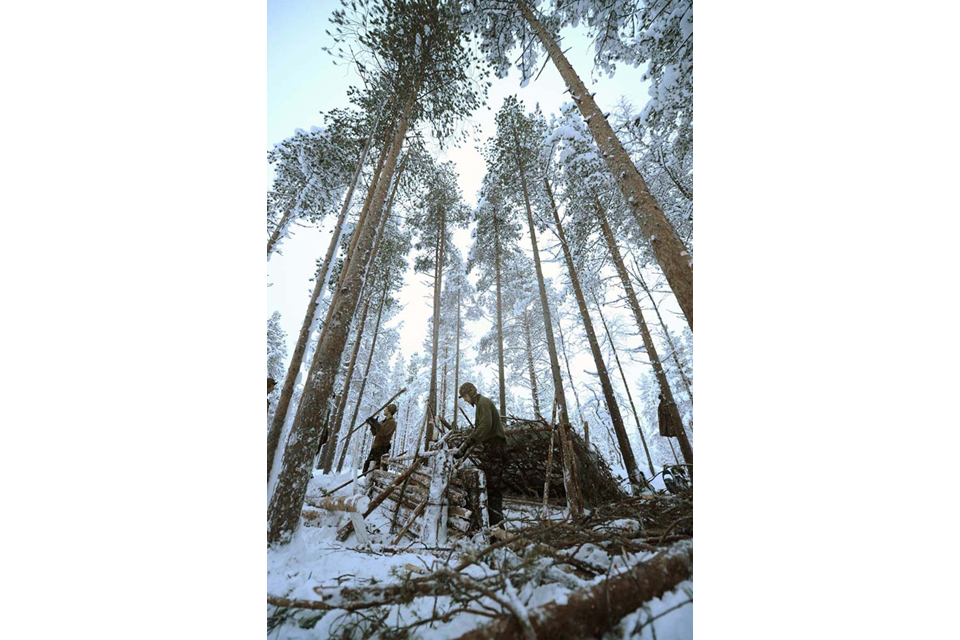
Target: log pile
point(400, 504)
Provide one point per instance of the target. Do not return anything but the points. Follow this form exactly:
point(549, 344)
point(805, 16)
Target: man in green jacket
point(383, 432)
point(491, 447)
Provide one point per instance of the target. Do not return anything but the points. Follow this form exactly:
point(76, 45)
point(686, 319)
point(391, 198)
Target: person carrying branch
point(491, 447)
point(382, 432)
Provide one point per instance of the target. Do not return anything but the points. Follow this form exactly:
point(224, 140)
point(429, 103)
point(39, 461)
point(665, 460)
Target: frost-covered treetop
point(414, 45)
point(310, 172)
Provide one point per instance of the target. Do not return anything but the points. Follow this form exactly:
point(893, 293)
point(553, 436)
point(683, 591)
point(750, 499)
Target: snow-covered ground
point(315, 565)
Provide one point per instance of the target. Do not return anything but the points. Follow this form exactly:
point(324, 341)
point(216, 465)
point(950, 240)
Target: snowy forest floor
point(540, 570)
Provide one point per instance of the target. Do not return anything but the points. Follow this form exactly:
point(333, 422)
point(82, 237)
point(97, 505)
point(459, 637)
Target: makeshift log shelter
point(528, 449)
point(432, 497)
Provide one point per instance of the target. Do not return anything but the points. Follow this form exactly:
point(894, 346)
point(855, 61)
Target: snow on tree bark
point(434, 528)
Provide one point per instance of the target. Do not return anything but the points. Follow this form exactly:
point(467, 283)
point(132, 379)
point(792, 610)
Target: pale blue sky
point(301, 80)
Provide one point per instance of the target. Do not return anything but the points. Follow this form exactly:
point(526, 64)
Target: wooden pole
point(546, 481)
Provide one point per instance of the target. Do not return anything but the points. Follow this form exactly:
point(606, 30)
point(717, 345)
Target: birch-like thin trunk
point(283, 513)
point(622, 440)
point(668, 249)
point(651, 348)
point(309, 319)
point(570, 475)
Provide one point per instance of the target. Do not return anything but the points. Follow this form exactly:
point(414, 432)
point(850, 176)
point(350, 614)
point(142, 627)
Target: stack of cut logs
point(401, 503)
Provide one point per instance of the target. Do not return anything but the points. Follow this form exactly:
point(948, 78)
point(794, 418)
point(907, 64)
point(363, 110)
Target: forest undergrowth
point(618, 571)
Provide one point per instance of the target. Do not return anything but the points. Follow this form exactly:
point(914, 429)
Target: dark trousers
point(492, 456)
point(374, 457)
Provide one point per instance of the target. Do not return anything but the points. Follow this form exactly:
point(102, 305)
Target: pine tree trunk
point(337, 424)
point(570, 479)
point(623, 441)
point(661, 376)
point(503, 378)
point(437, 283)
point(296, 360)
point(330, 451)
point(626, 386)
point(530, 368)
point(366, 372)
point(667, 247)
point(283, 513)
point(372, 194)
